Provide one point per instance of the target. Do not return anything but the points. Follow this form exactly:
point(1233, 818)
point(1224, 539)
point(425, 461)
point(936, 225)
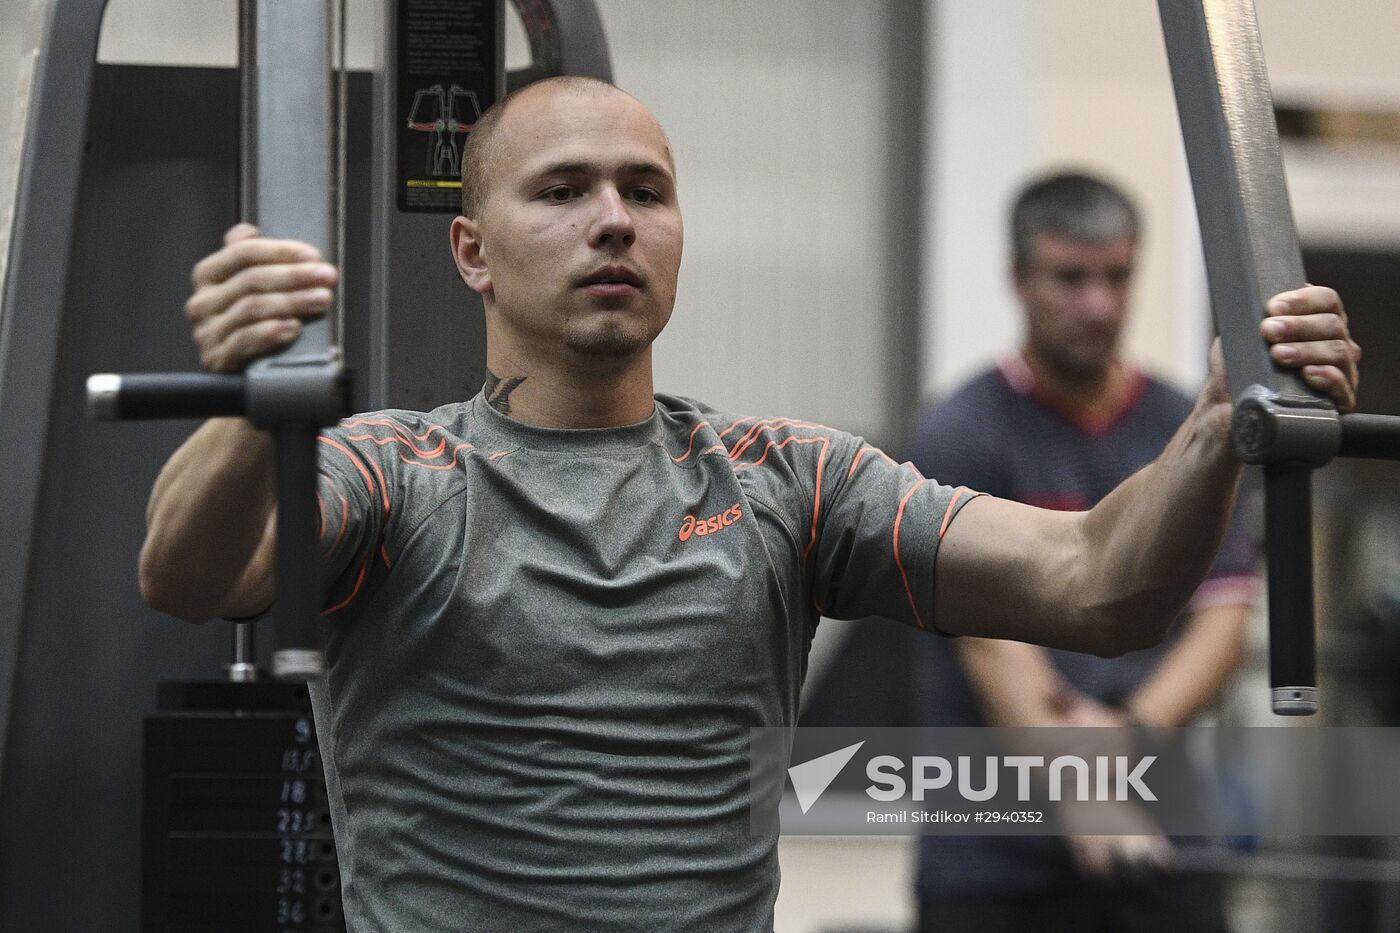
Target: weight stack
point(237, 829)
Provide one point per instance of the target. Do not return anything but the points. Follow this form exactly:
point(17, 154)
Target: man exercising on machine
point(555, 610)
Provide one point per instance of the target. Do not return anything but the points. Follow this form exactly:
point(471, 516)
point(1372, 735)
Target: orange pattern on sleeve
point(821, 464)
point(383, 495)
point(952, 508)
point(903, 575)
point(355, 591)
point(747, 443)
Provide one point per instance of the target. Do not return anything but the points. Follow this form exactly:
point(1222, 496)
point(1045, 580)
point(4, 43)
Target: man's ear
point(467, 251)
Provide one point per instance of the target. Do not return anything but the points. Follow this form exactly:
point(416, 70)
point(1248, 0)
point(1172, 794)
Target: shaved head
point(571, 226)
point(480, 145)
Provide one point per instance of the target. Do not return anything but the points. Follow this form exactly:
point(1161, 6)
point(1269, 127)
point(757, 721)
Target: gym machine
point(128, 174)
point(1251, 252)
point(287, 100)
point(70, 285)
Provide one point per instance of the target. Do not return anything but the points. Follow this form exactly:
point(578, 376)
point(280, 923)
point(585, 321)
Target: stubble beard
point(611, 340)
point(1084, 368)
point(1074, 367)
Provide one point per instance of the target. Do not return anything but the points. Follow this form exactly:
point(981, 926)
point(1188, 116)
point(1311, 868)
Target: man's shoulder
point(958, 436)
point(454, 417)
point(690, 414)
point(1162, 401)
point(694, 424)
point(684, 408)
point(392, 440)
point(1162, 391)
point(746, 441)
point(972, 399)
point(988, 386)
point(681, 405)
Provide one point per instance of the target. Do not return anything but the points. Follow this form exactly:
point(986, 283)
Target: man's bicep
point(1007, 570)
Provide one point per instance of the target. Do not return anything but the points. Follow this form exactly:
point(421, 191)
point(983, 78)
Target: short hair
point(1073, 205)
point(476, 153)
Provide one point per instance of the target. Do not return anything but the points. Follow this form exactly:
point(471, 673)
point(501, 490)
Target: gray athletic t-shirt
point(547, 648)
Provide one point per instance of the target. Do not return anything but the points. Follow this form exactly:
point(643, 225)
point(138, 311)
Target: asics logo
point(708, 526)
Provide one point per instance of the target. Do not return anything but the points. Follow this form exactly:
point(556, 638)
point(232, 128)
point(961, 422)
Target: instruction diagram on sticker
point(446, 116)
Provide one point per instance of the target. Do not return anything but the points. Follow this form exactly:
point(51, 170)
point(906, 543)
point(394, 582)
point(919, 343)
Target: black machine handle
point(137, 396)
point(1370, 437)
point(298, 655)
point(292, 399)
point(1288, 552)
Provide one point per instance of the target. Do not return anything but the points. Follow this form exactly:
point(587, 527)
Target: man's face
point(1075, 298)
point(579, 235)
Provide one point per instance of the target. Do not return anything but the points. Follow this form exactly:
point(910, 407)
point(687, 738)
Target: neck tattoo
point(498, 391)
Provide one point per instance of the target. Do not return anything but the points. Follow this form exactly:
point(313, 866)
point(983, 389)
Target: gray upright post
point(31, 308)
point(292, 130)
point(292, 122)
point(1252, 253)
point(1227, 125)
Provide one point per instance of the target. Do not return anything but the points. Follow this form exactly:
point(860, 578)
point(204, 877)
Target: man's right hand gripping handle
point(211, 520)
point(251, 297)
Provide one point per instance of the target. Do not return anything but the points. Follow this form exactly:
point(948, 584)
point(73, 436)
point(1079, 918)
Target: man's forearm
point(1196, 669)
point(209, 512)
point(1148, 544)
point(1013, 682)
